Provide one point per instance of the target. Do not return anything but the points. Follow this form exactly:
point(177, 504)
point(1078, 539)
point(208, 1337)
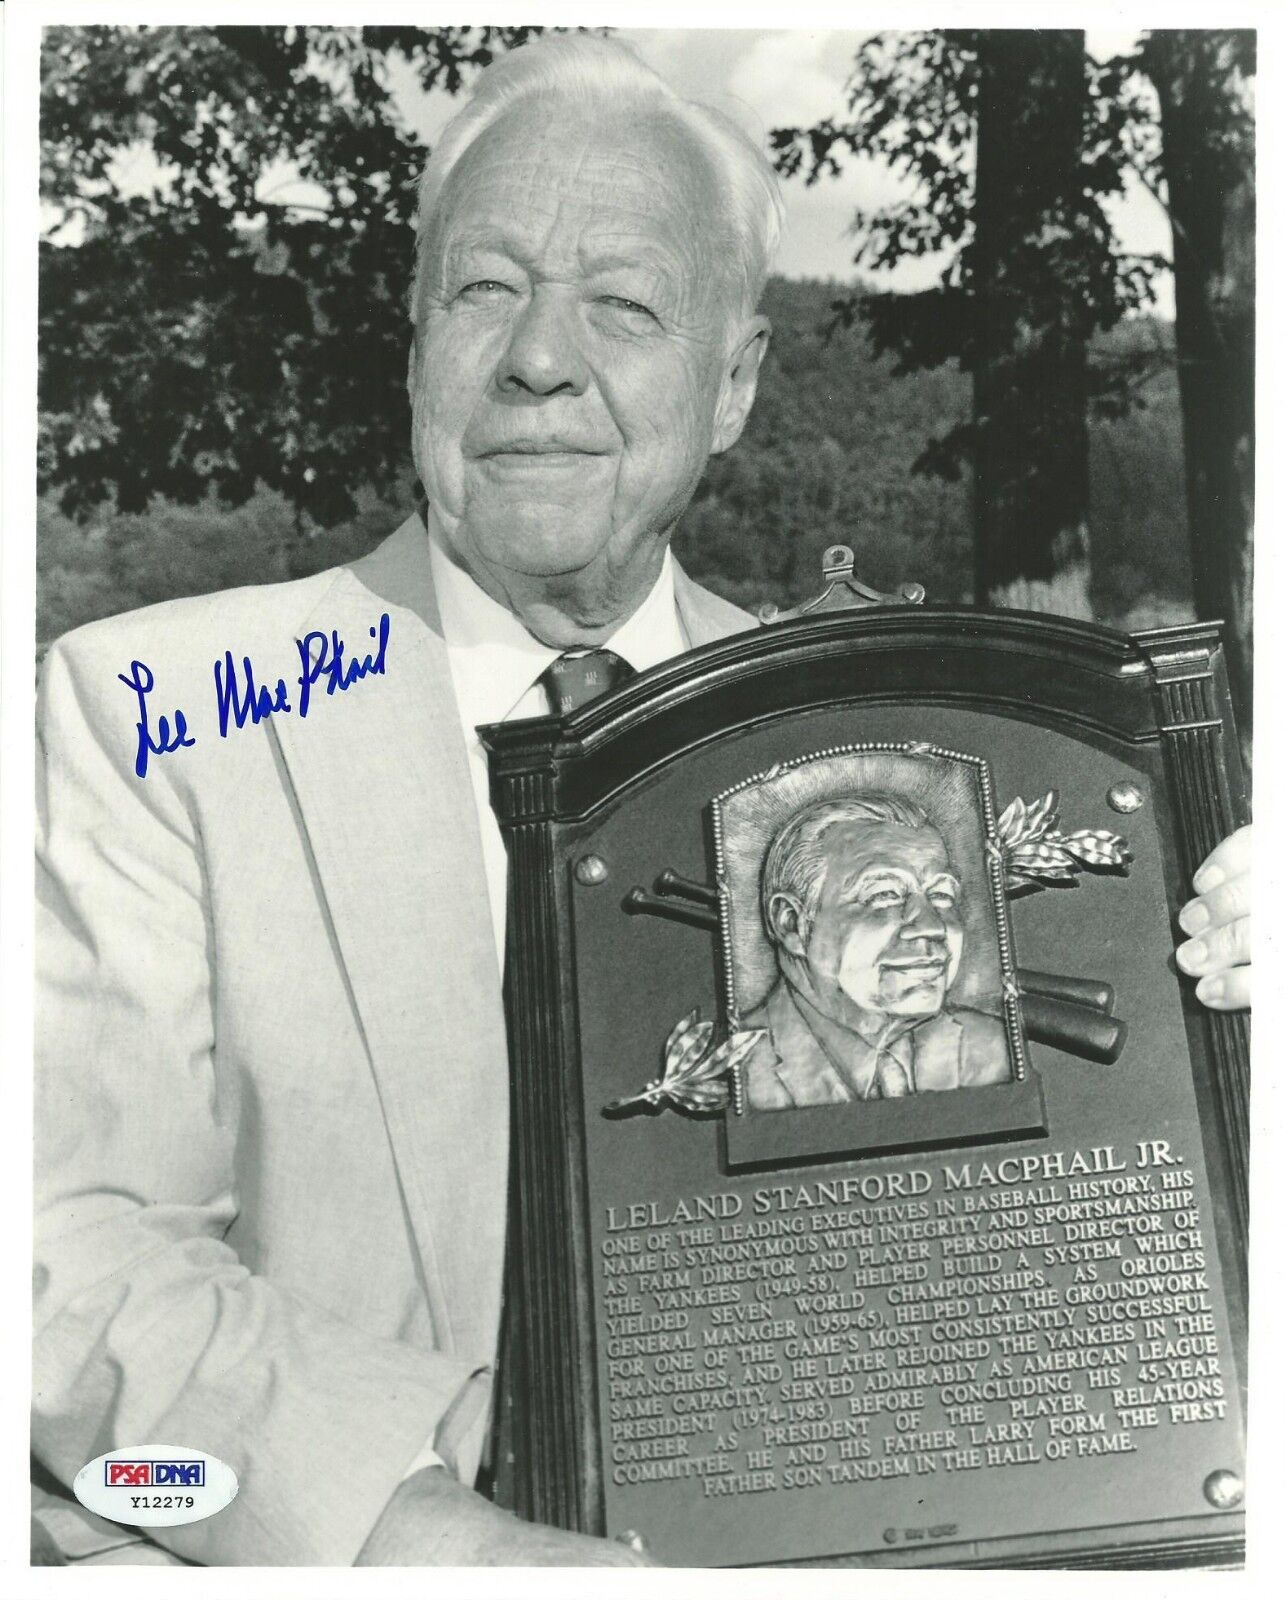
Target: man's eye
point(884, 897)
point(942, 897)
point(481, 288)
point(618, 302)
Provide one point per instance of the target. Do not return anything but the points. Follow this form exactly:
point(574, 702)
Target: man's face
point(572, 372)
point(887, 930)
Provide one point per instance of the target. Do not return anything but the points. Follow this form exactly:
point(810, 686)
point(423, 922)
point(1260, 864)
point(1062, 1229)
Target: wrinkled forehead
point(853, 848)
point(553, 173)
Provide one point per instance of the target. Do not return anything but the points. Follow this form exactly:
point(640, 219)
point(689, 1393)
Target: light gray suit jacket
point(272, 1090)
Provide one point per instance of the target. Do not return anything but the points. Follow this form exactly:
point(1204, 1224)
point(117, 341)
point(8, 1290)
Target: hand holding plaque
point(435, 1521)
point(1217, 951)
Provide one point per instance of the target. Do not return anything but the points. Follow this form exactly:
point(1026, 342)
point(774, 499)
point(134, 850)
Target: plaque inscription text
point(950, 1318)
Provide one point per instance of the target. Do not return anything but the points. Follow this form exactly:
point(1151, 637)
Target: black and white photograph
point(521, 531)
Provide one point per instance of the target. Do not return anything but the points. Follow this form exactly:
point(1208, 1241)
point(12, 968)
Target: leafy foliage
point(1037, 853)
point(1217, 68)
point(826, 459)
point(912, 101)
point(222, 374)
point(203, 335)
point(696, 1078)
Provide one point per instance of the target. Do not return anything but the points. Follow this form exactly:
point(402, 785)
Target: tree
point(202, 334)
point(1206, 160)
point(1014, 141)
point(1031, 462)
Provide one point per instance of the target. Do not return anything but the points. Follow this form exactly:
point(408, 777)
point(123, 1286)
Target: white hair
point(588, 70)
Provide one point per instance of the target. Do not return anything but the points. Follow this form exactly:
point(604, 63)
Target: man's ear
point(740, 380)
point(787, 924)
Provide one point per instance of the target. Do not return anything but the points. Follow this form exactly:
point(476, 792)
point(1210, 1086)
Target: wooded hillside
point(827, 458)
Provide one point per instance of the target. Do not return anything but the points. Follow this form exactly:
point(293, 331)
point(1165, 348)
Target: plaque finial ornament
point(843, 592)
point(1035, 853)
point(696, 1078)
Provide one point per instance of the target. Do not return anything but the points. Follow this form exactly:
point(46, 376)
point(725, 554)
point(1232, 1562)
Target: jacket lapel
point(804, 1069)
point(381, 776)
point(382, 781)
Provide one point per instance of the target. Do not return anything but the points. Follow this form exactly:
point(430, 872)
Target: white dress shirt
point(495, 667)
point(495, 670)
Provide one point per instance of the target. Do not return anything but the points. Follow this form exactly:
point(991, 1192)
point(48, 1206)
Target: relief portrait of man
point(862, 905)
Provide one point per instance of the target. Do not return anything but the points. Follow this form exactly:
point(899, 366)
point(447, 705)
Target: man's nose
point(923, 920)
point(543, 356)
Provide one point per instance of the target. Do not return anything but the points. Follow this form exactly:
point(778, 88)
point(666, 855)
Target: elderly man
point(862, 906)
point(273, 1094)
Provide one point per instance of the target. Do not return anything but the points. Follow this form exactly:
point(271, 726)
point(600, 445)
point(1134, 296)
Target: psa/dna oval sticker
point(155, 1485)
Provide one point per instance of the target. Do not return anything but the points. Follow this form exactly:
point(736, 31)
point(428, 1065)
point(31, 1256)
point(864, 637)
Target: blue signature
point(141, 680)
point(239, 698)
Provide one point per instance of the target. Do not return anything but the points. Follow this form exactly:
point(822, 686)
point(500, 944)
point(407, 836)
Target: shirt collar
point(495, 661)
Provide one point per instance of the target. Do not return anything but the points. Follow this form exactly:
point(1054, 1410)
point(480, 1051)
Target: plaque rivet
point(591, 870)
point(632, 1541)
point(1224, 1489)
point(1125, 797)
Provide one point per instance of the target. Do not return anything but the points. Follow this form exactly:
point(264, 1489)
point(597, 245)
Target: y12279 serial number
point(161, 1502)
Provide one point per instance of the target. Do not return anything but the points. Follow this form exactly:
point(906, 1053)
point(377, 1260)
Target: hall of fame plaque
point(879, 1188)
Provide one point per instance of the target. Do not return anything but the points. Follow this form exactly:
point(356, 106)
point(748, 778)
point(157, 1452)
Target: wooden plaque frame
point(1163, 691)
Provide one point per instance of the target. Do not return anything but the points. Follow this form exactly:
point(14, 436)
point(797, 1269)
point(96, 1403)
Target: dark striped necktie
point(579, 676)
point(891, 1078)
